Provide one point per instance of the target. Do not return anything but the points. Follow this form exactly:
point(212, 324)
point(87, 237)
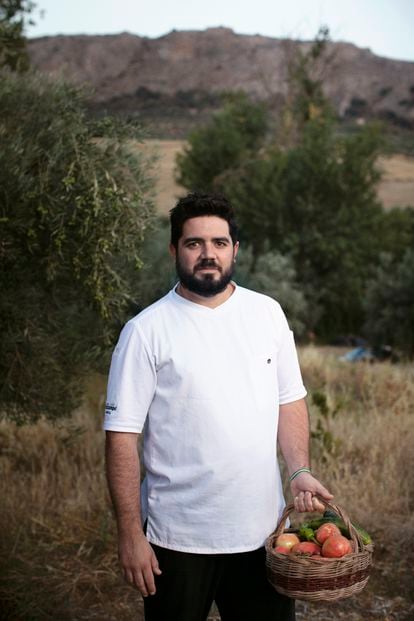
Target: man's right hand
point(138, 561)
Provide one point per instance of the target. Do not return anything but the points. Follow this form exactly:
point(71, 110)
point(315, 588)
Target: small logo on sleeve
point(110, 409)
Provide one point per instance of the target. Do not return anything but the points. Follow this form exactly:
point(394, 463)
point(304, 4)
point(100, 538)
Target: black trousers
point(189, 584)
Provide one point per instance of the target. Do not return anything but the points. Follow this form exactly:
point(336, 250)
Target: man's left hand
point(305, 491)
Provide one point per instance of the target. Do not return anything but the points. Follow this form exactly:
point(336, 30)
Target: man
point(209, 373)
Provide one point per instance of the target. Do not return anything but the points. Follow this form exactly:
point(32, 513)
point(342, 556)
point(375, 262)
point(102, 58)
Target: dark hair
point(201, 204)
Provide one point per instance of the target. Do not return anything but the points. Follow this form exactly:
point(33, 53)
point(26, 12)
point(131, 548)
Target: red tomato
point(307, 548)
point(336, 546)
point(281, 550)
point(326, 530)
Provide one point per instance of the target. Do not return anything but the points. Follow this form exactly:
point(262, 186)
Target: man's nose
point(208, 251)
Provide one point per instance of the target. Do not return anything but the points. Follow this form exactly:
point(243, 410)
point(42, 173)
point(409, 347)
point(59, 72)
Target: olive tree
point(14, 16)
point(75, 204)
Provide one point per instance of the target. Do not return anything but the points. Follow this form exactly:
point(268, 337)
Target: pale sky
point(384, 26)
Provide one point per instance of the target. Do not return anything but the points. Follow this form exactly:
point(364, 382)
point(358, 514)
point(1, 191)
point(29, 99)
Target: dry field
point(395, 190)
point(397, 186)
point(167, 190)
point(57, 545)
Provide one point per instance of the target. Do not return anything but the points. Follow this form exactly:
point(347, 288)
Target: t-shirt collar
point(177, 298)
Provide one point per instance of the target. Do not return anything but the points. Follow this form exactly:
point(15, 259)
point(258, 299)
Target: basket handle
point(355, 537)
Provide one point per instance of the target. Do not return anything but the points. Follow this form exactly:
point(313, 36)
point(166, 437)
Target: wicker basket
point(307, 578)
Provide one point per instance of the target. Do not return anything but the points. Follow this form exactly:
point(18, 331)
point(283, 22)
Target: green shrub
point(75, 204)
point(273, 274)
point(389, 304)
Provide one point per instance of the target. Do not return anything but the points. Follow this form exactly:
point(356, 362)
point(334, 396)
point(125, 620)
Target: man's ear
point(172, 250)
point(236, 249)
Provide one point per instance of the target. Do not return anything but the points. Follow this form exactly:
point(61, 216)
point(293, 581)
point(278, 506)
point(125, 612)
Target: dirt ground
point(385, 598)
point(388, 596)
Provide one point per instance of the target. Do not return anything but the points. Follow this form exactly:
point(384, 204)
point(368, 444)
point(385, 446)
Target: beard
point(205, 285)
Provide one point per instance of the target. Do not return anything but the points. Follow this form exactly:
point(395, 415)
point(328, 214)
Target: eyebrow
point(201, 239)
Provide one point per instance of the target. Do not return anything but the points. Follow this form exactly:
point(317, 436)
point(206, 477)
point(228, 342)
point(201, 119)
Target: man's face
point(205, 255)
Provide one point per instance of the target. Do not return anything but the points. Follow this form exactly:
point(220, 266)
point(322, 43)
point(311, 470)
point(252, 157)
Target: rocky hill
point(182, 74)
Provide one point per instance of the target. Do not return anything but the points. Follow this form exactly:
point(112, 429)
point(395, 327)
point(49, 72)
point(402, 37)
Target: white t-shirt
point(205, 385)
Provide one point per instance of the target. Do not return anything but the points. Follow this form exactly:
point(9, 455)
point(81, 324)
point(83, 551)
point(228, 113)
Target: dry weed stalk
point(374, 426)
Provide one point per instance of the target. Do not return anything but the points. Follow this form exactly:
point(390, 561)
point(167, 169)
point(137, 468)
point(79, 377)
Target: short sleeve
point(131, 382)
point(290, 382)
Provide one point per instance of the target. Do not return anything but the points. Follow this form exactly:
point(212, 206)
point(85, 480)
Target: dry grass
point(373, 424)
point(167, 190)
point(58, 546)
point(397, 185)
point(58, 552)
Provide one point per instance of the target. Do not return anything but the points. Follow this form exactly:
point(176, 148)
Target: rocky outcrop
point(125, 70)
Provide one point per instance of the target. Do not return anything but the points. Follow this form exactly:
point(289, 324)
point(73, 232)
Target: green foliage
point(330, 211)
point(397, 231)
point(228, 139)
point(273, 274)
point(327, 445)
point(309, 193)
point(13, 19)
point(390, 304)
point(157, 275)
point(75, 204)
point(256, 188)
point(316, 203)
point(305, 100)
